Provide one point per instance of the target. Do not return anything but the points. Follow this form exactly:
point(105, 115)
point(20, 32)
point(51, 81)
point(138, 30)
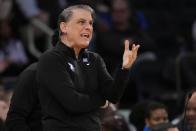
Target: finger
point(126, 45)
point(136, 48)
point(134, 45)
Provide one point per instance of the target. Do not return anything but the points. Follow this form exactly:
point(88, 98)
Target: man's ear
point(147, 122)
point(63, 27)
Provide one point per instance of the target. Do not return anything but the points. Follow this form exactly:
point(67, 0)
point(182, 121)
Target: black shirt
point(25, 112)
point(2, 126)
point(72, 90)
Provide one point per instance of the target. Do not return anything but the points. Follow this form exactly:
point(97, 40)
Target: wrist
point(124, 68)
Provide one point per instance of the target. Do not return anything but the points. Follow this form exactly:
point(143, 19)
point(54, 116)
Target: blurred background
point(165, 29)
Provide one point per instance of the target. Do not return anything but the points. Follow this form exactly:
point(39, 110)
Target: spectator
point(137, 115)
point(155, 113)
point(111, 121)
point(29, 116)
point(190, 110)
point(114, 123)
point(12, 54)
point(25, 111)
point(189, 121)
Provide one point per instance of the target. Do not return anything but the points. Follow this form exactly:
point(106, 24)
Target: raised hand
point(129, 56)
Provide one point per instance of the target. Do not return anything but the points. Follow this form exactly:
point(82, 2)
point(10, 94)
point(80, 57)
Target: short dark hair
point(65, 16)
point(153, 106)
point(187, 99)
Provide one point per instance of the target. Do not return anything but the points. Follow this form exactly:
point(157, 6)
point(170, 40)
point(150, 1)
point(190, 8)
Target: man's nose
point(88, 26)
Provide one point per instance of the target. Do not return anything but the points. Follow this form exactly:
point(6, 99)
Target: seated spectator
point(155, 113)
point(12, 54)
point(189, 121)
point(28, 117)
point(137, 115)
point(111, 121)
point(164, 127)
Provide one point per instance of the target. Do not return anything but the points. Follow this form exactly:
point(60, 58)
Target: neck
point(71, 45)
point(77, 51)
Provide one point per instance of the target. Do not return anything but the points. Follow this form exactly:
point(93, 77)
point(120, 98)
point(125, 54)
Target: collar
point(146, 128)
point(69, 51)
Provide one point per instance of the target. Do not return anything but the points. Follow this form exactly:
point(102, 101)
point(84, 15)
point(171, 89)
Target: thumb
point(126, 45)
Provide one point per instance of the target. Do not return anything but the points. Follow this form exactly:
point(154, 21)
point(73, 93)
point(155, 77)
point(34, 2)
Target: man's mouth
point(85, 35)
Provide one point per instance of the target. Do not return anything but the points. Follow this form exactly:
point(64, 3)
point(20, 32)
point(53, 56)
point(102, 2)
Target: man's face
point(157, 116)
point(79, 28)
point(191, 111)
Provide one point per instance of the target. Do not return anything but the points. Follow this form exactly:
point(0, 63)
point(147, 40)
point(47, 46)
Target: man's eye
point(81, 22)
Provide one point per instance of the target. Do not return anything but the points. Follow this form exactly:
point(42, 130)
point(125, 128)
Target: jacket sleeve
point(53, 76)
point(22, 103)
point(112, 89)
